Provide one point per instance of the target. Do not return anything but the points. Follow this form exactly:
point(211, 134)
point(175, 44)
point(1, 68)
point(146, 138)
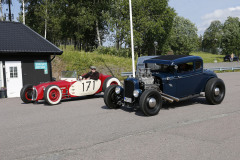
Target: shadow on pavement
point(166, 105)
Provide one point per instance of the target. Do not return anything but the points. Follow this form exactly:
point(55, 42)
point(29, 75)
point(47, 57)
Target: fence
point(224, 68)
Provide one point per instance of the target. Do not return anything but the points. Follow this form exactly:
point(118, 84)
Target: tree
point(1, 16)
point(152, 23)
point(231, 36)
point(9, 3)
point(213, 36)
point(184, 38)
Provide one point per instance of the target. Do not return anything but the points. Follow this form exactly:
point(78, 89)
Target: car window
point(185, 67)
point(159, 67)
point(198, 65)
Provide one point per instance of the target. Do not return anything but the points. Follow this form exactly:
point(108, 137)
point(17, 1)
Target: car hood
point(60, 83)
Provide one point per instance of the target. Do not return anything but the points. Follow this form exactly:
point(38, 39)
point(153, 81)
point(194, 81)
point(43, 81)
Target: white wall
point(1, 75)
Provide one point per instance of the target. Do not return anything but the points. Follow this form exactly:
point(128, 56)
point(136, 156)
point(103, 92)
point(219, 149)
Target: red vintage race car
point(68, 87)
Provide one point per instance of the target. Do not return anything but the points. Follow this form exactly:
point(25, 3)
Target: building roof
point(173, 59)
point(17, 38)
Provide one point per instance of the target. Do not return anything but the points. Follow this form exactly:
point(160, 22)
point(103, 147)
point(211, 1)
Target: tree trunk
point(45, 35)
point(98, 34)
point(10, 14)
point(1, 17)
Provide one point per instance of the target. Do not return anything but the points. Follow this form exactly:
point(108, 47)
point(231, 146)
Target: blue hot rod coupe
point(171, 78)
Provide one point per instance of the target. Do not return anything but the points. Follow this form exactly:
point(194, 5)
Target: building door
point(13, 78)
point(1, 75)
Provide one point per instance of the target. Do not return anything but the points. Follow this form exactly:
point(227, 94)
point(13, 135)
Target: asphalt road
point(85, 129)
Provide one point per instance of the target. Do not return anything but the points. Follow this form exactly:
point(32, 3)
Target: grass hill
point(81, 61)
point(209, 57)
point(106, 64)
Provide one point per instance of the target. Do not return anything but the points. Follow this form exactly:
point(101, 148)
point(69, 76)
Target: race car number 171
point(85, 87)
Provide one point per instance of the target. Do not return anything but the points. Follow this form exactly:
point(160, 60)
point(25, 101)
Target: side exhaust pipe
point(170, 97)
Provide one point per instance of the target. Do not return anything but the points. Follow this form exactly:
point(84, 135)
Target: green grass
point(208, 57)
point(106, 64)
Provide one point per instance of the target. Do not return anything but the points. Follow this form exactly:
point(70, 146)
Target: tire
point(215, 91)
point(144, 105)
point(110, 81)
point(110, 97)
point(26, 93)
point(52, 95)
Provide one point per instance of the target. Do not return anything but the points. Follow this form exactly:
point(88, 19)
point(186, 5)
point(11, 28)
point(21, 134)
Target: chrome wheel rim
point(152, 102)
point(216, 91)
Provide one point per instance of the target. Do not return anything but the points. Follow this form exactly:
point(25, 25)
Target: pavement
point(85, 129)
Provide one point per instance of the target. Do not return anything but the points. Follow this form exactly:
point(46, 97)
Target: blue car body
point(166, 78)
point(178, 84)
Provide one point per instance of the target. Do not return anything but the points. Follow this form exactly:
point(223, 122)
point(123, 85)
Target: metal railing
point(126, 74)
point(224, 68)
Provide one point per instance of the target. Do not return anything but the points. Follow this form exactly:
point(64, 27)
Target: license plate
point(126, 99)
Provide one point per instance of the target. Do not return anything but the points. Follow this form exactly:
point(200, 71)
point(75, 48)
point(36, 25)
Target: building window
point(13, 72)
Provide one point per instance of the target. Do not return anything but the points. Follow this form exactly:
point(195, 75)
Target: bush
point(113, 51)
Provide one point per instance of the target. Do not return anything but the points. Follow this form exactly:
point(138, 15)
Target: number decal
point(89, 82)
point(88, 86)
point(83, 86)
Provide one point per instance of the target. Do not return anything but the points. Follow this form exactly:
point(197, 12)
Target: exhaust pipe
point(168, 99)
point(171, 97)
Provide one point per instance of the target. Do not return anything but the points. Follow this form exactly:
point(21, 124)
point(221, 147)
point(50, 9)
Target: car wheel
point(215, 91)
point(26, 93)
point(111, 99)
point(52, 94)
point(110, 81)
point(150, 102)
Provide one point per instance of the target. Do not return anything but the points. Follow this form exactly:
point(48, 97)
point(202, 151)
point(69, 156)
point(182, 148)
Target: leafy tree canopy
point(184, 38)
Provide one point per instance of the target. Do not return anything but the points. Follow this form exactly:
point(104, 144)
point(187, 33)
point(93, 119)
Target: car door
point(188, 79)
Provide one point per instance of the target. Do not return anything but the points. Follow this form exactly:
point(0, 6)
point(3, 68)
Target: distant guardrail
point(224, 68)
point(128, 74)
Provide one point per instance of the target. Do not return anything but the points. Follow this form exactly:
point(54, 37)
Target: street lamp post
point(132, 44)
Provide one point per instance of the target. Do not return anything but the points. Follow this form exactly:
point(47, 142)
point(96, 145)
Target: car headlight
point(136, 93)
point(117, 90)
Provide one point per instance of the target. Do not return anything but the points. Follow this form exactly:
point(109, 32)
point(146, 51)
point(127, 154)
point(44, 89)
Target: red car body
point(53, 92)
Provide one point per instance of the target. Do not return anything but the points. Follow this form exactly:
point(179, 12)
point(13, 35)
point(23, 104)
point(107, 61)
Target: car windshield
point(159, 67)
point(69, 74)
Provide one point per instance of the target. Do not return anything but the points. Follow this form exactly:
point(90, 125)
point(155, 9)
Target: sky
point(203, 12)
point(199, 12)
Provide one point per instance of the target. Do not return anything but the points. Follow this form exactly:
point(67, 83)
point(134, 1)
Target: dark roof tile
point(16, 37)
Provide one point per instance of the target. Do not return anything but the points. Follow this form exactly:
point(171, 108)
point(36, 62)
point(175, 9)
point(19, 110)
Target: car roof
point(173, 59)
point(143, 58)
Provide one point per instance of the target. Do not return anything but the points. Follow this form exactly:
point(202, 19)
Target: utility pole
point(23, 4)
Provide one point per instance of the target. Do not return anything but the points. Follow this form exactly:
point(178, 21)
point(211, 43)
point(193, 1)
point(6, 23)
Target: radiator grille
point(128, 88)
